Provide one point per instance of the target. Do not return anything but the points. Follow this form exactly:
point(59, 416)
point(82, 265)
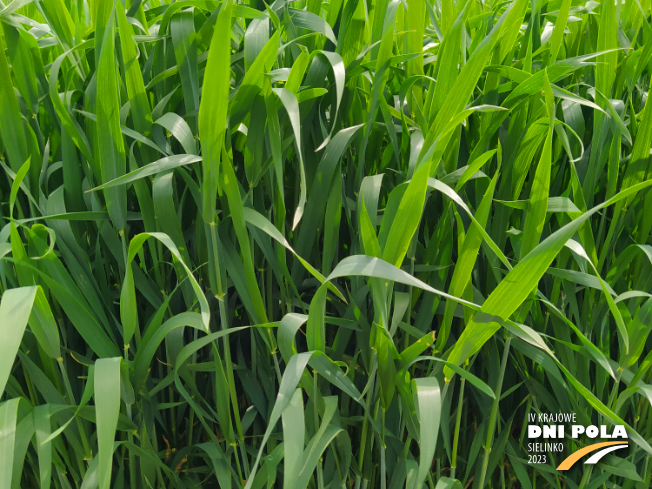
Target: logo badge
point(547, 433)
point(607, 446)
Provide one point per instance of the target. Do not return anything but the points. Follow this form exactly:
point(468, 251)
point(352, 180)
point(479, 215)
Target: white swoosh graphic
point(595, 458)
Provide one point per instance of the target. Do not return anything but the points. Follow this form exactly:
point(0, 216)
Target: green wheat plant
point(347, 244)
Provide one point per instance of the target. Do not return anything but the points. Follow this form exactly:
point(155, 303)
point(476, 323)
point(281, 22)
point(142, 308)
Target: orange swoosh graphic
point(575, 456)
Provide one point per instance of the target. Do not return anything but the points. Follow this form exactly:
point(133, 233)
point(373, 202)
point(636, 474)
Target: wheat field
point(350, 244)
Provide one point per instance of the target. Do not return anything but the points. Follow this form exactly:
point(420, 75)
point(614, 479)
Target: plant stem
point(458, 422)
point(494, 415)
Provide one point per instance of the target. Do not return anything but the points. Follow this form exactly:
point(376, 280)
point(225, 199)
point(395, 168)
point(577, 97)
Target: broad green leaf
point(112, 159)
point(107, 407)
point(158, 166)
point(538, 199)
point(293, 436)
point(138, 104)
point(429, 402)
point(8, 419)
point(292, 107)
point(406, 220)
point(516, 286)
point(213, 108)
point(11, 125)
point(19, 307)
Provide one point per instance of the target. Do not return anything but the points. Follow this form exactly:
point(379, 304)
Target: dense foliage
point(343, 244)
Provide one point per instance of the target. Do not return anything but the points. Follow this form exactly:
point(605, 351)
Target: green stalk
point(494, 415)
point(130, 436)
point(315, 391)
point(237, 462)
point(232, 393)
point(365, 423)
point(458, 422)
point(383, 468)
point(586, 476)
point(222, 303)
point(64, 374)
